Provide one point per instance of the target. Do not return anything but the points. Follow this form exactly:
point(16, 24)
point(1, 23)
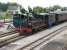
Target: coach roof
point(59, 12)
point(43, 13)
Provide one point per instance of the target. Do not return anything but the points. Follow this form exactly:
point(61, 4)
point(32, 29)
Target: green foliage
point(47, 9)
point(11, 4)
point(5, 17)
point(4, 6)
point(1, 17)
point(54, 8)
point(64, 9)
point(8, 16)
point(39, 9)
point(30, 9)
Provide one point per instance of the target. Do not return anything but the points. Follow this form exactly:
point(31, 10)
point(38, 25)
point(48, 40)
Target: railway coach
point(61, 16)
point(50, 18)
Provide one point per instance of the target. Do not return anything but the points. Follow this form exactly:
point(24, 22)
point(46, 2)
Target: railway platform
point(25, 43)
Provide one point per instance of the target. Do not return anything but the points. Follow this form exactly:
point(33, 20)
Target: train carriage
point(44, 19)
point(61, 17)
point(51, 19)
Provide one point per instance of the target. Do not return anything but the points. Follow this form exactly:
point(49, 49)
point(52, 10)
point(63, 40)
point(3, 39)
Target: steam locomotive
point(34, 22)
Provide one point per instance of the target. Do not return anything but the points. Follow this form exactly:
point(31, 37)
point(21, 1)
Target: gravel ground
point(53, 46)
point(60, 43)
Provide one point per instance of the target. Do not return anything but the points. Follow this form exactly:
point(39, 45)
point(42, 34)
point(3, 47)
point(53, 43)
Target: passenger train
point(37, 21)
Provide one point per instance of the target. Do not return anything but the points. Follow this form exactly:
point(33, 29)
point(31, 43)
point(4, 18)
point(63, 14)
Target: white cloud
point(43, 3)
point(8, 1)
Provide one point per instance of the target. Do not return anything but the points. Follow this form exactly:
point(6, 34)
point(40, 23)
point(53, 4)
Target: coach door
point(56, 16)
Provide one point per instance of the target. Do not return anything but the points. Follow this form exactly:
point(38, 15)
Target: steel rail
point(34, 44)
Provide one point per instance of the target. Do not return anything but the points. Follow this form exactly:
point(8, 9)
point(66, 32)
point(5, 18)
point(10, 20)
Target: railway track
point(7, 33)
point(42, 40)
point(12, 39)
point(8, 37)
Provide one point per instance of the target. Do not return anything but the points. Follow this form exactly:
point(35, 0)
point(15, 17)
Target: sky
point(34, 3)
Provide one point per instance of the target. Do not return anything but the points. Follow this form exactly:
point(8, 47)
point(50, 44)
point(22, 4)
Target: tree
point(50, 9)
point(12, 4)
point(54, 8)
point(30, 9)
point(45, 10)
point(64, 8)
point(39, 9)
point(3, 6)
